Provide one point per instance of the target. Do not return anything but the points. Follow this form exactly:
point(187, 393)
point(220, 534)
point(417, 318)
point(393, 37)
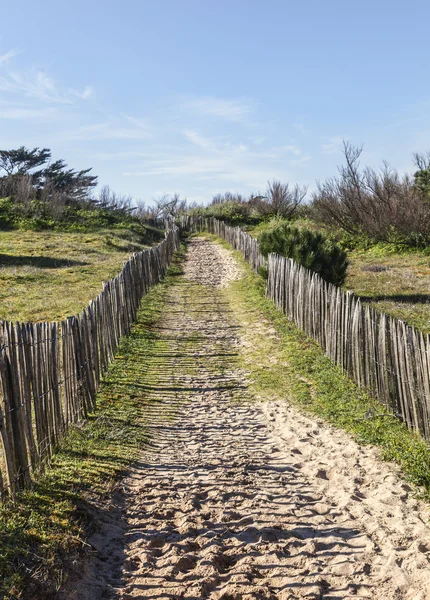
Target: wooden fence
point(238, 239)
point(50, 372)
point(381, 353)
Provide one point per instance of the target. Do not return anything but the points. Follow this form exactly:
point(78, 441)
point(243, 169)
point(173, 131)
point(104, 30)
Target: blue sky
point(200, 97)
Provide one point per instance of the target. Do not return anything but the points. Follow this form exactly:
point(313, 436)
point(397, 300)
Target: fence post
point(18, 468)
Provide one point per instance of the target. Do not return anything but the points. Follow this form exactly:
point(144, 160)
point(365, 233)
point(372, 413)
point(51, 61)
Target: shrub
point(309, 249)
point(282, 201)
point(378, 204)
point(7, 216)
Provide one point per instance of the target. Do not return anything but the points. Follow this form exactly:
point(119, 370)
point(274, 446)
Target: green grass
point(47, 276)
point(397, 283)
point(285, 364)
point(44, 531)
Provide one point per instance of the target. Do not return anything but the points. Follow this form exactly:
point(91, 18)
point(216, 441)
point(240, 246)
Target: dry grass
point(47, 276)
point(397, 284)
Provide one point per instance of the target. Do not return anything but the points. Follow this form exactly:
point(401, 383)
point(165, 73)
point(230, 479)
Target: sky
point(203, 96)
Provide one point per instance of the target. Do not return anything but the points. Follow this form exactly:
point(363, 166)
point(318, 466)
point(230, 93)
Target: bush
point(379, 204)
point(280, 201)
point(7, 216)
point(311, 250)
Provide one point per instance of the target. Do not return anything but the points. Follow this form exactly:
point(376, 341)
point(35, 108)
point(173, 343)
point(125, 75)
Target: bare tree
point(109, 199)
point(369, 201)
point(170, 205)
point(228, 197)
point(422, 161)
point(282, 200)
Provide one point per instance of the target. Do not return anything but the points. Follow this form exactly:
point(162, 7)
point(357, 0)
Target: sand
point(241, 499)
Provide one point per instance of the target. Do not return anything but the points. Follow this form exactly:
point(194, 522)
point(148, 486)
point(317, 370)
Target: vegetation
point(43, 533)
point(51, 275)
point(391, 279)
point(289, 365)
point(38, 194)
point(309, 249)
point(397, 283)
point(422, 175)
point(381, 205)
point(279, 201)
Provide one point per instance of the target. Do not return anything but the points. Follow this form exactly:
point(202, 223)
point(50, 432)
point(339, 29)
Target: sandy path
point(243, 500)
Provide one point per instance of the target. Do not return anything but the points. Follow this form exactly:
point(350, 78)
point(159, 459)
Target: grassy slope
point(44, 531)
point(47, 276)
point(401, 288)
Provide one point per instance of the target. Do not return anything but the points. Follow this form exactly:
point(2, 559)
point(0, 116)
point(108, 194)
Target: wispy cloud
point(38, 85)
point(22, 113)
point(243, 174)
point(200, 140)
point(300, 127)
point(232, 163)
point(108, 131)
point(88, 92)
point(5, 58)
point(292, 149)
point(236, 110)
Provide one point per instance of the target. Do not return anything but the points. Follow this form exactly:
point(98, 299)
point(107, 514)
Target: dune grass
point(395, 283)
point(47, 275)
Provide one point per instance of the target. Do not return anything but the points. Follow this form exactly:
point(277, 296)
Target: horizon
point(168, 97)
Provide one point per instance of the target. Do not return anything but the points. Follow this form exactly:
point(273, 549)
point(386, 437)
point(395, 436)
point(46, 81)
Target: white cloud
point(191, 165)
point(236, 110)
point(35, 85)
point(259, 139)
point(302, 160)
point(234, 164)
point(138, 121)
point(5, 58)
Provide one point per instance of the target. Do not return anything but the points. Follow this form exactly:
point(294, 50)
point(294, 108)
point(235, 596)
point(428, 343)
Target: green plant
point(310, 249)
point(7, 216)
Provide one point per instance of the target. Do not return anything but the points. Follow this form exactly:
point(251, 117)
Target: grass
point(47, 276)
point(394, 283)
point(284, 363)
point(44, 531)
point(397, 283)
